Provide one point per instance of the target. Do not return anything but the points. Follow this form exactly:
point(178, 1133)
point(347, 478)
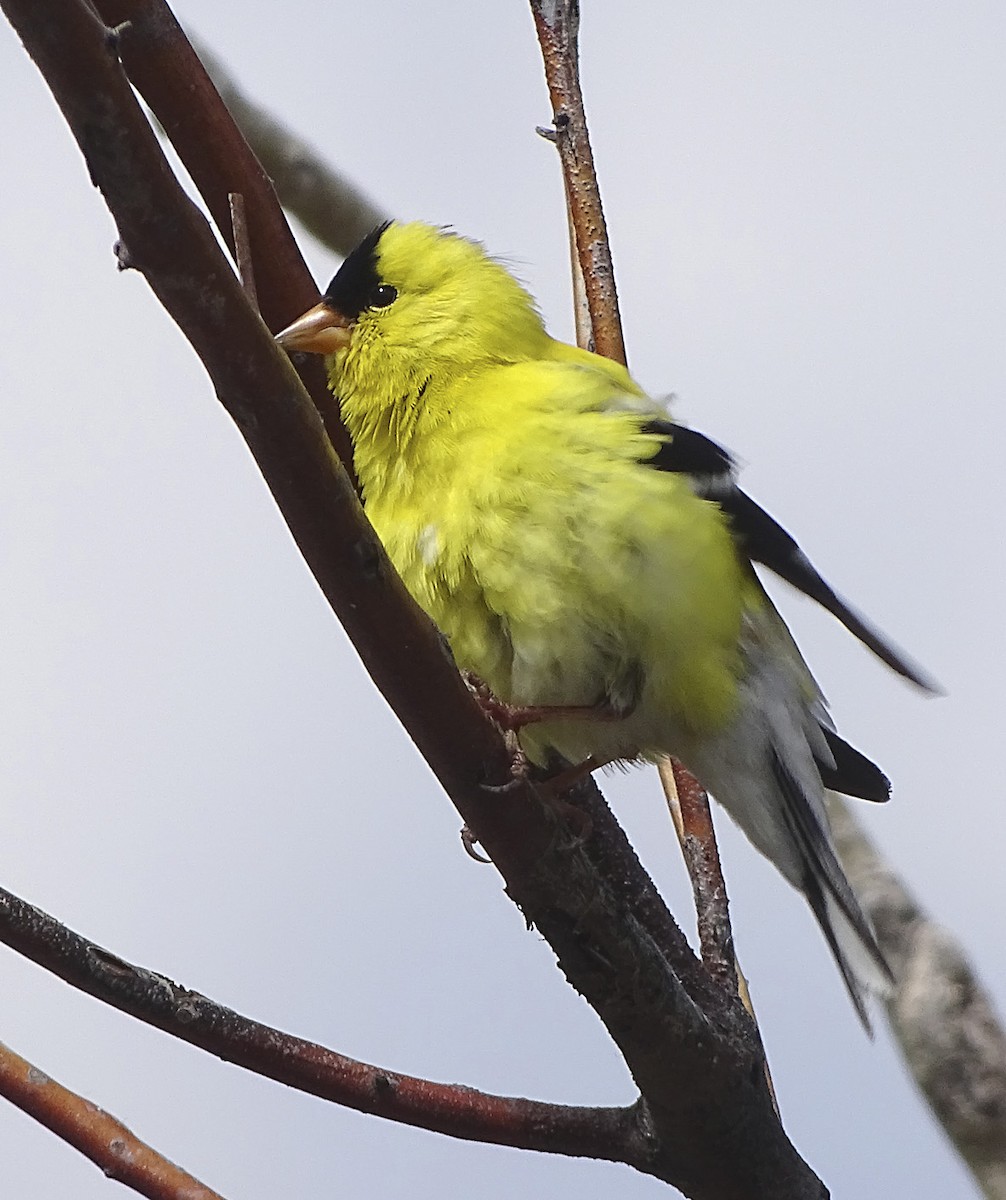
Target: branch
point(557, 22)
point(706, 1113)
point(693, 824)
point(461, 1112)
point(167, 73)
point(944, 1020)
point(95, 1133)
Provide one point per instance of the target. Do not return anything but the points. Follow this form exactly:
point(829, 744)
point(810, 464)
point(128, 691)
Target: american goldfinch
point(581, 550)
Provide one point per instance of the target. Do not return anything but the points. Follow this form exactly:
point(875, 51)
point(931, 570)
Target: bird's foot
point(551, 790)
point(520, 768)
point(555, 787)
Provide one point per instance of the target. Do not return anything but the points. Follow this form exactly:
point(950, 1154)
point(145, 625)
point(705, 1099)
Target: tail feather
point(769, 766)
point(845, 926)
point(863, 973)
point(852, 774)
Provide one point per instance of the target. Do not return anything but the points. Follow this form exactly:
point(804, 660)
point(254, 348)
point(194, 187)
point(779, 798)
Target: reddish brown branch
point(698, 844)
point(461, 1112)
point(97, 1134)
point(167, 73)
point(708, 1116)
point(557, 23)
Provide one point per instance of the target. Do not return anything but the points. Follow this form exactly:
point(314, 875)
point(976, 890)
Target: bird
point(590, 557)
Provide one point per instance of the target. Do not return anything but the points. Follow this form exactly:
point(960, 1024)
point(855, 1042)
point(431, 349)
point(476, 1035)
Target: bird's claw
point(520, 768)
point(470, 841)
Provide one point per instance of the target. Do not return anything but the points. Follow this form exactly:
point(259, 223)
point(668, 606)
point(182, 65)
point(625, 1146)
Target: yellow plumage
point(464, 523)
point(578, 548)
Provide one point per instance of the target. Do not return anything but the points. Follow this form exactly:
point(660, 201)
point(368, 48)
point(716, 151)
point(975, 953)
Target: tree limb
point(461, 1112)
point(944, 1020)
point(167, 73)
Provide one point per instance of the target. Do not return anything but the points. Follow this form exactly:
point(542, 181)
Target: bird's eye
point(383, 295)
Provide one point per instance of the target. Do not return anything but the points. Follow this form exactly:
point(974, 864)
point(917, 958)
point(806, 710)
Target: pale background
point(806, 208)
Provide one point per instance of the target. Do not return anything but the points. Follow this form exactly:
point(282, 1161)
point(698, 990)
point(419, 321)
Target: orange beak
point(321, 330)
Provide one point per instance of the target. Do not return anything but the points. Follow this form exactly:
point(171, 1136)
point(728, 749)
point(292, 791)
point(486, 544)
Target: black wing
point(761, 537)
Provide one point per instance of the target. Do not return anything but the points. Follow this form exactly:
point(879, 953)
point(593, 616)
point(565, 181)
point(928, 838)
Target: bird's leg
point(517, 716)
point(571, 775)
point(513, 717)
point(554, 788)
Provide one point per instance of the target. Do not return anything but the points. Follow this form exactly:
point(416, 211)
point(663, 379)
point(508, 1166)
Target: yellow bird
point(581, 550)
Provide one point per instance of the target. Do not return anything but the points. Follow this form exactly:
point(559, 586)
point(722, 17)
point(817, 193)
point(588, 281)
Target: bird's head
point(413, 302)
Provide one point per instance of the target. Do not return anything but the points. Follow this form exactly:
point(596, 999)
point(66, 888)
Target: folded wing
point(712, 472)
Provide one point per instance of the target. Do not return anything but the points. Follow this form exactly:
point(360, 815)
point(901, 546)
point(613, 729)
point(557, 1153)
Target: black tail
point(845, 926)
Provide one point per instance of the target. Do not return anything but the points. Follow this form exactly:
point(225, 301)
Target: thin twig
point(694, 852)
point(95, 1133)
point(593, 281)
point(557, 22)
point(669, 771)
point(693, 821)
point(581, 305)
point(242, 247)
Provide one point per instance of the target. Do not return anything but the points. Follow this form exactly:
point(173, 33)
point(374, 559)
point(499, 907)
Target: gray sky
point(806, 208)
